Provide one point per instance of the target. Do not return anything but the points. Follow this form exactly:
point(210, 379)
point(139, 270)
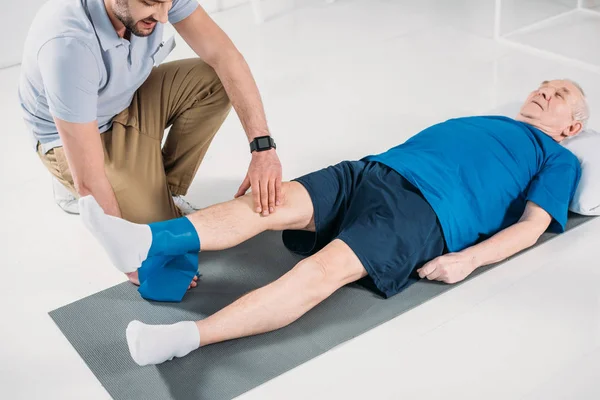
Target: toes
point(132, 334)
point(133, 277)
point(193, 284)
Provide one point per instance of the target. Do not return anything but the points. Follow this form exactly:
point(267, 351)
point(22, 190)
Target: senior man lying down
point(459, 195)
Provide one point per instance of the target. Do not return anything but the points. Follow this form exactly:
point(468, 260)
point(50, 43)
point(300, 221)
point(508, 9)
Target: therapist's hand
point(264, 177)
point(449, 268)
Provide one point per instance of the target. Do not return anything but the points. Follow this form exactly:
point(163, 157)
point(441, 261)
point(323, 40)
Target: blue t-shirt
point(479, 172)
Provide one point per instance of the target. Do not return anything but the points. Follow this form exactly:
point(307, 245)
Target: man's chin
point(146, 34)
point(142, 32)
point(530, 110)
point(525, 116)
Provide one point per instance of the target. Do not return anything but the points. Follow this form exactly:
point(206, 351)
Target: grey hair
point(581, 111)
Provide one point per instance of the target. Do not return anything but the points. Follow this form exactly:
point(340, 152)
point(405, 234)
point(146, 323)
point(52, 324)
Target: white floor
point(360, 76)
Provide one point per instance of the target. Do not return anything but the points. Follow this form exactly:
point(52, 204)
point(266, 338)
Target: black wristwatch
point(262, 143)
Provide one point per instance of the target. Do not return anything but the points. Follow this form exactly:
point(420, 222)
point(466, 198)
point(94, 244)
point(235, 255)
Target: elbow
point(535, 228)
point(533, 241)
point(537, 232)
point(224, 58)
point(529, 238)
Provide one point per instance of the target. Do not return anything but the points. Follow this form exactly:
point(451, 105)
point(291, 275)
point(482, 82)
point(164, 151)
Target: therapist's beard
point(122, 13)
point(131, 26)
point(133, 29)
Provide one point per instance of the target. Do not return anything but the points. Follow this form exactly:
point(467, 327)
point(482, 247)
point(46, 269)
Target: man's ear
point(573, 129)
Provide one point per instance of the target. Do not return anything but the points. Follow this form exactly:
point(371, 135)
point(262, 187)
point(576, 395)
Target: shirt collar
point(104, 29)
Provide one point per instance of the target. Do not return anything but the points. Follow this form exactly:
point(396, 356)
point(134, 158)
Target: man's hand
point(449, 268)
point(264, 176)
point(455, 267)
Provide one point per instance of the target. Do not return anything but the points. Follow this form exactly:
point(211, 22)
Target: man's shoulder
point(58, 19)
point(561, 160)
point(566, 156)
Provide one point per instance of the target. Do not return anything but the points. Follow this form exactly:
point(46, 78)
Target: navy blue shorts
point(381, 216)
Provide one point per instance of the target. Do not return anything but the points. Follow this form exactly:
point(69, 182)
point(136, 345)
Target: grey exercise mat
point(95, 326)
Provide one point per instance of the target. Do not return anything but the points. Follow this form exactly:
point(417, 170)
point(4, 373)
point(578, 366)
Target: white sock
point(126, 243)
point(154, 344)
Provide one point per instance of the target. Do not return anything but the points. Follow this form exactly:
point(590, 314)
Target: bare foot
point(133, 278)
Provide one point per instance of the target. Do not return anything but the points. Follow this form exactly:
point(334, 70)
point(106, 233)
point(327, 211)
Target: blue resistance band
point(167, 278)
point(173, 237)
point(172, 261)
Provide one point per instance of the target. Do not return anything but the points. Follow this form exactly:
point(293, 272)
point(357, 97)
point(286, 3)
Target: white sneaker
point(69, 203)
point(184, 206)
point(64, 198)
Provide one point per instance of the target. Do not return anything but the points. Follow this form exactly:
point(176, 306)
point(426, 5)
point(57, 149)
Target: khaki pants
point(186, 95)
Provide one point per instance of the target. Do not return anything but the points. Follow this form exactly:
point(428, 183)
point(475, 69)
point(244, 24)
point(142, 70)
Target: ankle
point(174, 237)
point(204, 331)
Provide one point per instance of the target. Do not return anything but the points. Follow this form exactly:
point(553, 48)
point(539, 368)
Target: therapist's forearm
point(232, 69)
point(504, 244)
point(85, 156)
point(102, 191)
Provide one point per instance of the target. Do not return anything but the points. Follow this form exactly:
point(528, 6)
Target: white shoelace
point(185, 206)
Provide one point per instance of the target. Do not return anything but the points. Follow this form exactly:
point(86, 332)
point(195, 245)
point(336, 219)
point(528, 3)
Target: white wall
point(591, 4)
point(213, 5)
point(16, 18)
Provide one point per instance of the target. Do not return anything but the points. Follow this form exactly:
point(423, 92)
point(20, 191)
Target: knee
point(296, 212)
point(316, 276)
point(143, 202)
point(299, 205)
point(207, 74)
point(147, 212)
point(204, 71)
point(289, 191)
point(202, 82)
point(324, 275)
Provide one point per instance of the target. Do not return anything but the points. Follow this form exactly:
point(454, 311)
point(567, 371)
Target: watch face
point(263, 143)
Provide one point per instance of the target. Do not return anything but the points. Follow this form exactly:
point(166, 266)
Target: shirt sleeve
point(71, 79)
point(181, 9)
point(553, 188)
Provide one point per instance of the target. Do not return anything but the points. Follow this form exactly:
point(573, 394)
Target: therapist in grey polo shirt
point(97, 104)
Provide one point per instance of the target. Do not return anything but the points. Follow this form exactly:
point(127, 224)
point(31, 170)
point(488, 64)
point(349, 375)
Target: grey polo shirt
point(75, 67)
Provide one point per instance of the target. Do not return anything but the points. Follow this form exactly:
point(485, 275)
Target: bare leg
point(266, 309)
point(228, 224)
point(218, 227)
point(284, 301)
